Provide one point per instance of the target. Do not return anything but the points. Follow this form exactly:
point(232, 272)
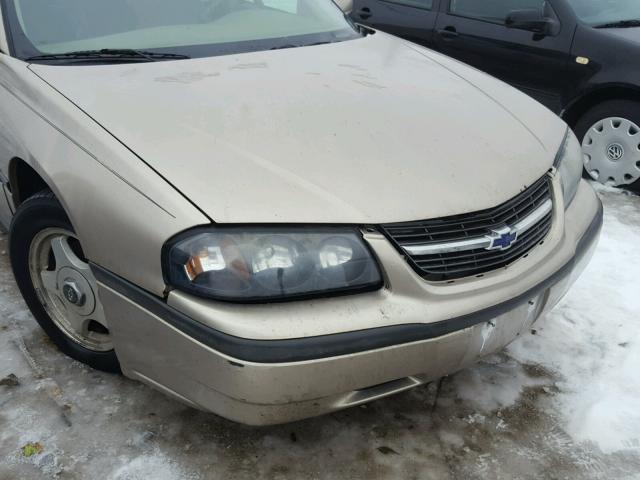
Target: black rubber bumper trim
point(312, 348)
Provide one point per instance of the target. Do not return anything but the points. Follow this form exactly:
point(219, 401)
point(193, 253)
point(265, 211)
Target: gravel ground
point(559, 403)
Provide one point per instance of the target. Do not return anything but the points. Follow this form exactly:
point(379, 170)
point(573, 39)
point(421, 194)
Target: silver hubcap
point(67, 289)
point(612, 151)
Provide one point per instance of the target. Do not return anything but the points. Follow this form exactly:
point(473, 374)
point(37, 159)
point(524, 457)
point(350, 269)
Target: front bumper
point(269, 380)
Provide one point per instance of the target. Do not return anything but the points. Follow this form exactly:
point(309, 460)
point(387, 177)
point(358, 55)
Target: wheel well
point(24, 181)
point(581, 106)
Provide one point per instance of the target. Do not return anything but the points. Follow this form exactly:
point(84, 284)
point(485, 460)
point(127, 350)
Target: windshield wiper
point(282, 47)
point(109, 54)
point(620, 24)
point(292, 45)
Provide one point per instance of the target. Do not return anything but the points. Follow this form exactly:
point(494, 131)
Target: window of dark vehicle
point(61, 26)
point(600, 12)
point(495, 11)
point(424, 4)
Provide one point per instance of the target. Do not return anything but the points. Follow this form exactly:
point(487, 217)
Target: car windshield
point(187, 27)
point(603, 12)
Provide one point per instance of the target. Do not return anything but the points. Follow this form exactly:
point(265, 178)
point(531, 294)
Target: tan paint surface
point(364, 131)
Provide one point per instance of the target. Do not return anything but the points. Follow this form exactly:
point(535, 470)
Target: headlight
point(569, 164)
point(253, 264)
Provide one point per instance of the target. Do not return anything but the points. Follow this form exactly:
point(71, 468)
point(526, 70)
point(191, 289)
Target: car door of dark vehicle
point(475, 32)
point(411, 19)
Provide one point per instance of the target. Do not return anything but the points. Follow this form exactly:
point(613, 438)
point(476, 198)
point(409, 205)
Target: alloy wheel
point(67, 288)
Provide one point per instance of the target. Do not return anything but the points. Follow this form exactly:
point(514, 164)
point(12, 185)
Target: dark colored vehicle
point(580, 58)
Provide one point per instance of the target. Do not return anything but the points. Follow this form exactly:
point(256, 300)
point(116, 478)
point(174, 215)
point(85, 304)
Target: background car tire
point(622, 109)
point(41, 213)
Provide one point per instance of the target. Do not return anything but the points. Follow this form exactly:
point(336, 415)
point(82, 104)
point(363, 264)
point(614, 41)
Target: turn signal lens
point(207, 260)
point(569, 163)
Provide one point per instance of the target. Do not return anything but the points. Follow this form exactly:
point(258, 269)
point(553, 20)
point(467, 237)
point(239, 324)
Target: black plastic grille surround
point(454, 265)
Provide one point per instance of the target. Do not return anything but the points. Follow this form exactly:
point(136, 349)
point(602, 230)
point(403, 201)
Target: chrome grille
point(459, 246)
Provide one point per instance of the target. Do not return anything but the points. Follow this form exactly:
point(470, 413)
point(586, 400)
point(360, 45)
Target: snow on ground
point(559, 403)
point(593, 339)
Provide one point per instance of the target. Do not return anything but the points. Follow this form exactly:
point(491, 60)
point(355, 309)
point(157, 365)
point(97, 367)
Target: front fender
point(121, 209)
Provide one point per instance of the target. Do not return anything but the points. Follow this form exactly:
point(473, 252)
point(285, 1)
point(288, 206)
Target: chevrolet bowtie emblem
point(502, 238)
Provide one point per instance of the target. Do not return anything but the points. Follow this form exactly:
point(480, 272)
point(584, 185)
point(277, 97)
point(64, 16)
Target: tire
point(629, 167)
point(36, 216)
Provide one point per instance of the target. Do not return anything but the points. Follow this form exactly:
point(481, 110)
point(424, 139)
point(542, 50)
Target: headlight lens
point(570, 164)
point(253, 264)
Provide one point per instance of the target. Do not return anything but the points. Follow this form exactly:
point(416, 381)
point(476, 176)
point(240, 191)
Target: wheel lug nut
point(73, 294)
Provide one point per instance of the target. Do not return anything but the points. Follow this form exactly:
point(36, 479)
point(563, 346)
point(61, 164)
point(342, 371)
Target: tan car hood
point(364, 131)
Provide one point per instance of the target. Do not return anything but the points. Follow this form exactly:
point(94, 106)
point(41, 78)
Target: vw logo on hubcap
point(615, 151)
